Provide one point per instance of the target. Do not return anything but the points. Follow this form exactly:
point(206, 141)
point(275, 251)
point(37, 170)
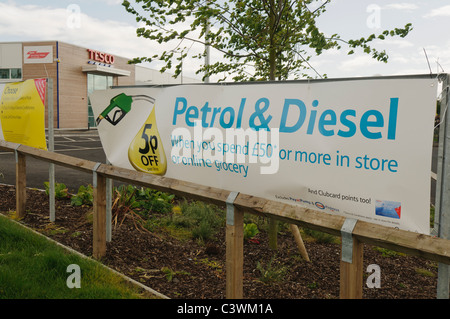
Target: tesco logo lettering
point(100, 56)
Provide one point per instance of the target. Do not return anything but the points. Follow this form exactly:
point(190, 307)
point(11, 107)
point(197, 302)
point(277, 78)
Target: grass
point(387, 252)
point(272, 272)
point(189, 220)
point(320, 237)
point(32, 267)
point(424, 272)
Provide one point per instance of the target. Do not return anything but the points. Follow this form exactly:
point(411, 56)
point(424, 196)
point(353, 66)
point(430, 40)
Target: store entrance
point(96, 82)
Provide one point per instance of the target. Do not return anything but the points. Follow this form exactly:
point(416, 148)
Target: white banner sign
point(38, 54)
point(357, 148)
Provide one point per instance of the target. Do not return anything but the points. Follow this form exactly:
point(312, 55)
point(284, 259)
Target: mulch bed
point(190, 270)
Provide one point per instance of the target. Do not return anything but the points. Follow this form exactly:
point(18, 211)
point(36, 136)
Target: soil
point(193, 270)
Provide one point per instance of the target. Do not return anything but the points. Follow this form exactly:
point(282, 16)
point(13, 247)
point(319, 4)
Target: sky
point(104, 25)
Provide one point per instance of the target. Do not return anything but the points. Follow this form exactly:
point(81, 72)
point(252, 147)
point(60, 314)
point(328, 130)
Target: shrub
point(83, 197)
point(61, 191)
point(155, 201)
point(274, 271)
point(205, 219)
point(250, 231)
point(320, 237)
point(142, 200)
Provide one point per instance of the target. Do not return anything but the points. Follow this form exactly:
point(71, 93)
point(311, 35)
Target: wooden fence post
point(352, 274)
point(234, 250)
point(351, 281)
point(99, 222)
point(273, 233)
point(21, 184)
point(298, 239)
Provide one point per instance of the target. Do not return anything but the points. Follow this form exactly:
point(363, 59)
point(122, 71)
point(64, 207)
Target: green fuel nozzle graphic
point(146, 151)
point(119, 106)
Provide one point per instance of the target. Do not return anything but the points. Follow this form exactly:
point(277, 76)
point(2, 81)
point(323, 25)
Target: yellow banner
point(22, 113)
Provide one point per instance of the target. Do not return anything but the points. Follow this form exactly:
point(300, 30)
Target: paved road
point(82, 144)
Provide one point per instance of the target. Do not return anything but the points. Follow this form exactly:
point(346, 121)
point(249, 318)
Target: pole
point(443, 187)
point(21, 184)
point(51, 148)
point(351, 262)
point(234, 249)
point(351, 280)
point(99, 222)
point(109, 187)
point(207, 49)
point(298, 239)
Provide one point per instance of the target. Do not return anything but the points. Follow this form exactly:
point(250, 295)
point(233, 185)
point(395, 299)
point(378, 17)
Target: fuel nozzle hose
point(119, 106)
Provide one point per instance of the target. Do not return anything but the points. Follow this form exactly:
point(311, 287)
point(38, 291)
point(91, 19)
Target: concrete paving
point(83, 144)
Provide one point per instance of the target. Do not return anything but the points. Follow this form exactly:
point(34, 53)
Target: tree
point(275, 37)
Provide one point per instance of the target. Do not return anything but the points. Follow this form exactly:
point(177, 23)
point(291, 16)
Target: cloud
point(395, 43)
point(112, 2)
point(64, 24)
point(357, 62)
point(72, 25)
point(439, 12)
point(402, 6)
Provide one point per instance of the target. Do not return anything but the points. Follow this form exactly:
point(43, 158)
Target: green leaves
point(142, 200)
point(61, 190)
point(250, 231)
point(85, 196)
point(259, 39)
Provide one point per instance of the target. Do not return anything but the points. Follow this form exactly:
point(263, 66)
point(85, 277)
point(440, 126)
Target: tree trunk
point(273, 224)
point(272, 49)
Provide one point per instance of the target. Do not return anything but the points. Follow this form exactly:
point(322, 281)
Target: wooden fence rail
point(428, 247)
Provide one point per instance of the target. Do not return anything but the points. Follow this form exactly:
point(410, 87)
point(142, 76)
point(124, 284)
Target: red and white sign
point(40, 88)
point(38, 54)
point(100, 56)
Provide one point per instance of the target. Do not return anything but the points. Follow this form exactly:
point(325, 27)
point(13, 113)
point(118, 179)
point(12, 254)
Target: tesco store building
point(76, 71)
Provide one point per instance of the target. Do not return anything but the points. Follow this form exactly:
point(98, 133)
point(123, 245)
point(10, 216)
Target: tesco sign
point(100, 56)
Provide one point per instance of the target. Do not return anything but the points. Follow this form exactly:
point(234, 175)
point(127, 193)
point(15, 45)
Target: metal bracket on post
point(16, 152)
point(347, 239)
point(230, 208)
point(94, 181)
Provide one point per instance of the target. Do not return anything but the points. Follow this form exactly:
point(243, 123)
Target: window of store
point(11, 62)
point(96, 82)
point(16, 73)
point(4, 73)
point(11, 74)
